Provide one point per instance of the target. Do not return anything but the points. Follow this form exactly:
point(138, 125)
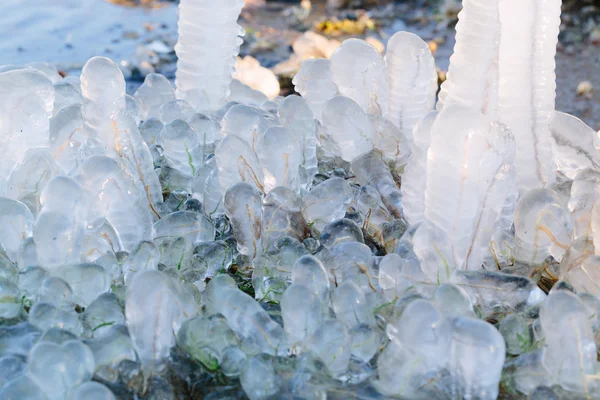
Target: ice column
point(527, 86)
point(209, 41)
point(468, 178)
point(473, 73)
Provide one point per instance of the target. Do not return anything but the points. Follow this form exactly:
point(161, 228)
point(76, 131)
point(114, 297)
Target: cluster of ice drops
point(348, 242)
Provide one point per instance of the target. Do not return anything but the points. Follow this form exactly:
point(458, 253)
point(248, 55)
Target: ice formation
point(468, 178)
point(413, 80)
point(491, 71)
point(348, 242)
point(203, 84)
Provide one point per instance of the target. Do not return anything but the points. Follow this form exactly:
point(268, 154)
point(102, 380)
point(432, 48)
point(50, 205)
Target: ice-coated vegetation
point(199, 241)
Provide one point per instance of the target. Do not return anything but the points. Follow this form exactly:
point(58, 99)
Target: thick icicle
point(527, 87)
point(472, 78)
point(209, 41)
point(467, 180)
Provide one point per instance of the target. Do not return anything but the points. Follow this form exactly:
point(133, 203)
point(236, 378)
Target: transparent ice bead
point(331, 343)
point(478, 353)
point(155, 308)
point(103, 313)
point(91, 391)
point(17, 220)
point(282, 216)
point(87, 280)
point(543, 226)
point(453, 301)
point(348, 127)
point(366, 341)
point(205, 339)
point(280, 155)
point(237, 162)
point(112, 347)
point(181, 146)
point(18, 339)
point(258, 378)
point(59, 368)
point(327, 202)
point(425, 332)
point(302, 313)
point(310, 272)
point(350, 305)
point(233, 361)
point(11, 304)
point(46, 316)
point(243, 206)
point(144, 256)
point(339, 231)
point(11, 367)
point(57, 292)
point(22, 388)
point(155, 92)
point(517, 334)
point(569, 346)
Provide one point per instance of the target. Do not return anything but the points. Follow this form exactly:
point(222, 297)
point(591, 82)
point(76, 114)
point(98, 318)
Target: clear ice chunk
point(243, 206)
point(92, 391)
point(543, 226)
point(279, 153)
point(237, 162)
point(296, 114)
point(477, 357)
point(331, 343)
point(569, 347)
point(249, 123)
point(181, 146)
point(258, 379)
point(282, 216)
point(29, 178)
point(103, 90)
point(156, 91)
point(348, 127)
point(249, 320)
point(573, 145)
point(67, 136)
point(314, 81)
point(205, 339)
point(113, 195)
point(25, 109)
point(17, 221)
point(351, 306)
point(360, 74)
point(155, 308)
point(327, 202)
point(88, 281)
point(413, 80)
point(59, 228)
point(57, 368)
point(302, 312)
point(309, 272)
